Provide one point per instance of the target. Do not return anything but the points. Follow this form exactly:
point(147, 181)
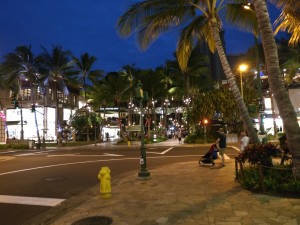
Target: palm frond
point(151, 18)
point(241, 18)
point(287, 22)
point(196, 31)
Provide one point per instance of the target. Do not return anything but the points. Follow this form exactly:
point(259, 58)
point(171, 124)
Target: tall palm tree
point(286, 109)
point(152, 17)
point(197, 68)
point(116, 90)
point(22, 65)
point(84, 66)
point(56, 67)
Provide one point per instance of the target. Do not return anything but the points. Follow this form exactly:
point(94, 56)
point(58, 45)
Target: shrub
point(14, 146)
point(260, 153)
point(20, 146)
point(277, 180)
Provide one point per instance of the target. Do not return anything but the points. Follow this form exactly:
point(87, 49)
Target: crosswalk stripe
point(78, 155)
point(30, 200)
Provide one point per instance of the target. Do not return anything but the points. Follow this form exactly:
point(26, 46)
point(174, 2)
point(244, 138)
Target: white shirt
point(244, 142)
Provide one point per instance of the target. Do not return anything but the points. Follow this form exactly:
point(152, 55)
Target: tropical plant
point(21, 66)
point(150, 18)
point(289, 19)
point(56, 67)
point(286, 109)
point(84, 66)
point(289, 60)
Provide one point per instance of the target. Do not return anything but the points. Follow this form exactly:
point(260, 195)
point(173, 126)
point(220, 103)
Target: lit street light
point(242, 68)
point(205, 121)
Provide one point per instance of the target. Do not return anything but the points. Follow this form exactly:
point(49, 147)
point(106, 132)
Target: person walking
point(221, 141)
point(244, 141)
point(179, 136)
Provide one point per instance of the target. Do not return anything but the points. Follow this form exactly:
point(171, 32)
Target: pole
point(95, 134)
point(204, 133)
point(144, 173)
point(241, 78)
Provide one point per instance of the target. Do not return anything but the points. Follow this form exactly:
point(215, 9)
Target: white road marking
point(6, 158)
point(36, 153)
point(169, 149)
point(30, 200)
point(7, 152)
point(85, 162)
point(158, 153)
point(162, 153)
point(108, 154)
point(225, 156)
point(78, 155)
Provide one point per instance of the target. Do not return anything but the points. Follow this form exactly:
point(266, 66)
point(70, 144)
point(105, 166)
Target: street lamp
point(205, 121)
point(242, 68)
point(140, 95)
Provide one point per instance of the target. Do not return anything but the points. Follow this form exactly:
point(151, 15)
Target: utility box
point(31, 144)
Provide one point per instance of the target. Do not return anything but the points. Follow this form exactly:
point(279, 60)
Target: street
point(32, 181)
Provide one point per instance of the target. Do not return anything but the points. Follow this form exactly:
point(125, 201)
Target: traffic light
point(33, 108)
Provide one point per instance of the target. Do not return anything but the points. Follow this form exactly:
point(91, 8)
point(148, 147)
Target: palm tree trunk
point(286, 109)
point(37, 131)
point(22, 121)
point(232, 84)
point(35, 117)
point(58, 124)
point(188, 106)
point(87, 113)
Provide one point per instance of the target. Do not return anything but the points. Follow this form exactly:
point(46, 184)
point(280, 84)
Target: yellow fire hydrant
point(104, 177)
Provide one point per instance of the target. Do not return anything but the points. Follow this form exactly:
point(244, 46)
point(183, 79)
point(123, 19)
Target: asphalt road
point(62, 174)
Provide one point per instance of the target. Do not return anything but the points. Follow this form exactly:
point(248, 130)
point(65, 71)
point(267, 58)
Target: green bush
point(260, 153)
point(277, 180)
point(14, 146)
point(20, 146)
point(196, 138)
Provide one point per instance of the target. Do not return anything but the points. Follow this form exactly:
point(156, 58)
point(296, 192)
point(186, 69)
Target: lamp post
point(205, 121)
point(143, 173)
point(242, 68)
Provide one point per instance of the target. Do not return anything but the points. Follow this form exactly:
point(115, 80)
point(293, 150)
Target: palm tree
point(115, 89)
point(196, 69)
point(289, 19)
point(21, 65)
point(286, 109)
point(84, 66)
point(56, 67)
point(152, 17)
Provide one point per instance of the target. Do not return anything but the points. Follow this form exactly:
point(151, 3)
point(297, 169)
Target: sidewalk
point(181, 194)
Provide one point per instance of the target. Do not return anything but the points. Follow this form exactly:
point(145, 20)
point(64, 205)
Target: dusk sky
point(89, 26)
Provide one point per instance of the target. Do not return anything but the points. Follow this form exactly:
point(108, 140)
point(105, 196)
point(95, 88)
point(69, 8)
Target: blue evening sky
point(89, 26)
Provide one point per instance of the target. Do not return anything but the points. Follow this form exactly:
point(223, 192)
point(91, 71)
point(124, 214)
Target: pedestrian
point(221, 140)
point(179, 136)
point(244, 141)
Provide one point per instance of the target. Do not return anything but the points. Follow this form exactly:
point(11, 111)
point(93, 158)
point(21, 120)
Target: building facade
point(36, 111)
